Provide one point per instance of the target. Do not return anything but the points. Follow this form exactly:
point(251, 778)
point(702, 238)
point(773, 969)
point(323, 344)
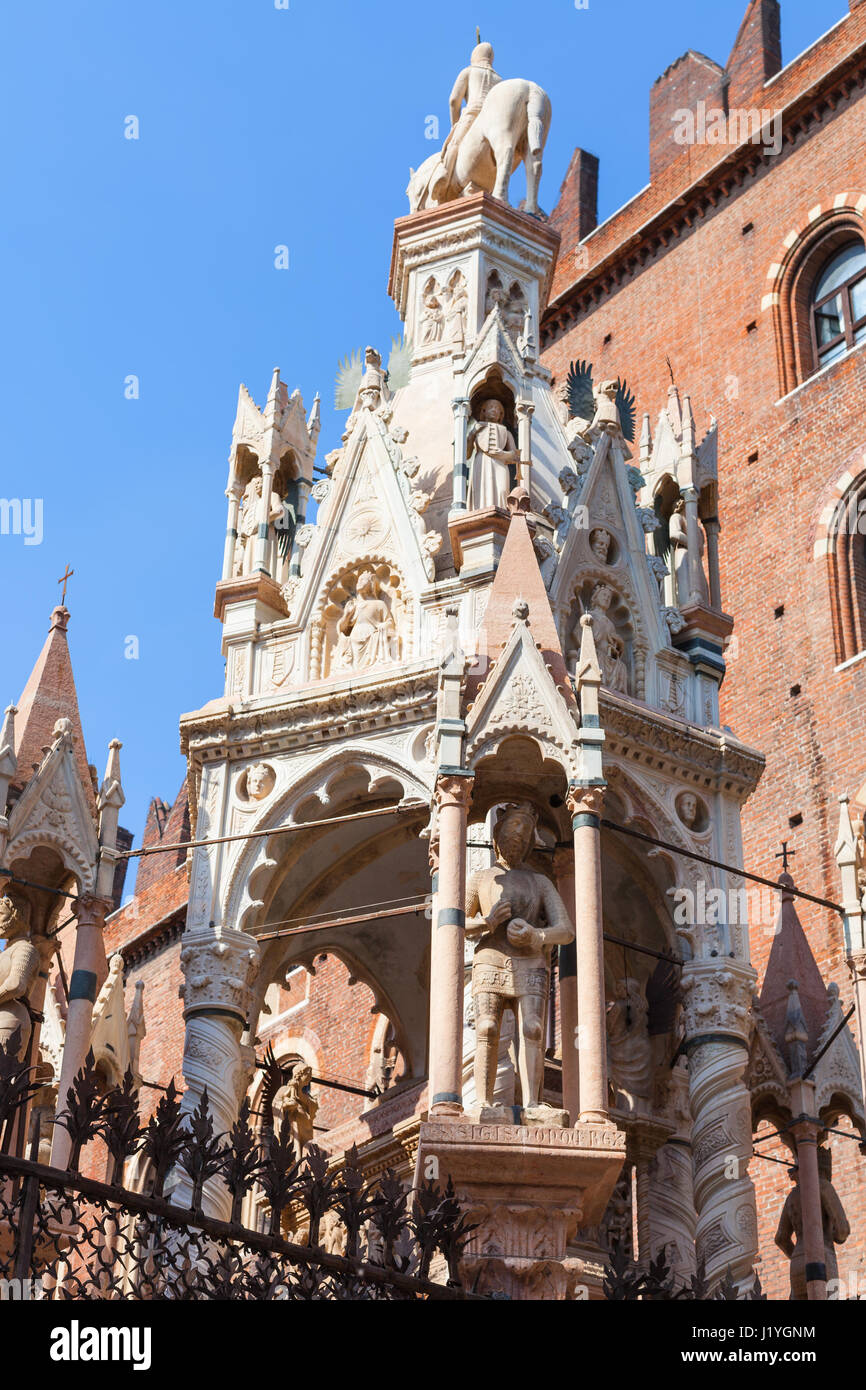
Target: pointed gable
point(790, 959)
point(50, 695)
point(518, 577)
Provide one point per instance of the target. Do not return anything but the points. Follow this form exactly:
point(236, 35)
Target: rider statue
point(471, 86)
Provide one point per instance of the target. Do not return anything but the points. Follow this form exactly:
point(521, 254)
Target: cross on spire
point(785, 854)
point(64, 579)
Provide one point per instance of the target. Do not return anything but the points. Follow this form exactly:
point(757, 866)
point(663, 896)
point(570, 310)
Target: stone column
point(690, 497)
point(460, 406)
point(219, 970)
point(809, 1180)
point(563, 868)
point(453, 794)
point(234, 496)
point(88, 965)
point(717, 997)
point(711, 530)
point(525, 411)
point(262, 552)
point(585, 804)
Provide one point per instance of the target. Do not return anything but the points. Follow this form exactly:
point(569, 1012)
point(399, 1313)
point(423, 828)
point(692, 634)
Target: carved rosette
point(717, 996)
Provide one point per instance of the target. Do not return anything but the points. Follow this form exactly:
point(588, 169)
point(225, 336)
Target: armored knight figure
point(471, 86)
point(833, 1220)
point(517, 916)
point(491, 446)
point(19, 966)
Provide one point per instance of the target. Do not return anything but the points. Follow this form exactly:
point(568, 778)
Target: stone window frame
point(840, 544)
point(804, 252)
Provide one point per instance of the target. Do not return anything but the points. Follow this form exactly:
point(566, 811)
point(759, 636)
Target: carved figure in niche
point(19, 966)
point(495, 294)
point(514, 311)
point(260, 781)
point(599, 543)
point(629, 1049)
point(248, 524)
point(616, 1225)
point(456, 309)
point(491, 447)
point(609, 644)
point(433, 316)
point(680, 546)
point(833, 1220)
point(296, 1105)
point(516, 915)
point(367, 632)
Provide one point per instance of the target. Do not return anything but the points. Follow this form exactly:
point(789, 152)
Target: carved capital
point(717, 996)
point(218, 974)
point(91, 911)
point(585, 800)
point(857, 965)
point(453, 791)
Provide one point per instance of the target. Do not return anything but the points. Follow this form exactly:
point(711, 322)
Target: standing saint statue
point(19, 966)
point(245, 546)
point(491, 446)
point(517, 916)
point(298, 1106)
point(833, 1220)
point(680, 545)
point(609, 644)
point(367, 630)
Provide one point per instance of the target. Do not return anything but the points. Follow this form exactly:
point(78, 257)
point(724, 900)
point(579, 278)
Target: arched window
point(839, 303)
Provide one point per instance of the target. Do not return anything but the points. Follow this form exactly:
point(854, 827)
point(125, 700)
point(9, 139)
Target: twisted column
point(717, 995)
point(219, 971)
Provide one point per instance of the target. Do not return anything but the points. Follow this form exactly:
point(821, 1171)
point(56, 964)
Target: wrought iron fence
point(74, 1237)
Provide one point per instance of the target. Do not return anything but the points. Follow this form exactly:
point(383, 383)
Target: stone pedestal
point(477, 539)
point(527, 1189)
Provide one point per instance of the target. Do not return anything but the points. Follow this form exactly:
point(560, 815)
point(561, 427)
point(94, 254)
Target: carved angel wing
point(399, 361)
point(625, 406)
point(349, 376)
point(578, 385)
point(661, 536)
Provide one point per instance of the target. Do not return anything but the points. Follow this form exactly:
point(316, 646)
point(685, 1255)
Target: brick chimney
point(757, 53)
point(692, 78)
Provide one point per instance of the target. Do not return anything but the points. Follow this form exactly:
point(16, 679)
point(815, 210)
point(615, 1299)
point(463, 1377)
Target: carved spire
point(49, 696)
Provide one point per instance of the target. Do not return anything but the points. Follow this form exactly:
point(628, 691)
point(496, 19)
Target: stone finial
point(521, 610)
point(59, 618)
point(8, 761)
point(646, 441)
point(518, 500)
point(796, 1032)
point(314, 420)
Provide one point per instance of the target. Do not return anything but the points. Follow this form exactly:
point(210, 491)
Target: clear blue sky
point(155, 257)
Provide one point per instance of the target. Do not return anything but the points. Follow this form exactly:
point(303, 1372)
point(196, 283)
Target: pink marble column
point(808, 1177)
point(88, 967)
point(563, 868)
point(585, 804)
point(453, 794)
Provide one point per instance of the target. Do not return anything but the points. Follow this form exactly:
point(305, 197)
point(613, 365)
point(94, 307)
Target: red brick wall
point(698, 300)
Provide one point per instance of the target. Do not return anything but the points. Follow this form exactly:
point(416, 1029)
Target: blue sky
point(154, 257)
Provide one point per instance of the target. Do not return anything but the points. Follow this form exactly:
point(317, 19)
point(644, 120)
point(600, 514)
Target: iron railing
point(70, 1236)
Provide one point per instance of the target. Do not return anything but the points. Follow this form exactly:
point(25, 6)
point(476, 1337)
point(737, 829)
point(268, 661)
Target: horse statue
point(511, 127)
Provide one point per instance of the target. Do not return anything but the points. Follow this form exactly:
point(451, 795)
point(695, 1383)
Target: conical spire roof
point(50, 695)
point(791, 959)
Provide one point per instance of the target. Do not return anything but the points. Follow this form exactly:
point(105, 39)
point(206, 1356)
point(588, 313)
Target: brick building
point(722, 271)
point(738, 276)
